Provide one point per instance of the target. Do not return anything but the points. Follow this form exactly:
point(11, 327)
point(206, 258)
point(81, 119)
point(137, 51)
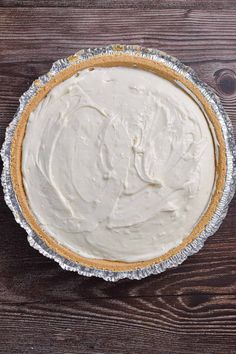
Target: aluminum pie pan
point(230, 181)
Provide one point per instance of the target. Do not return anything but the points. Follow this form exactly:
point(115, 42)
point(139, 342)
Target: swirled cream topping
point(118, 164)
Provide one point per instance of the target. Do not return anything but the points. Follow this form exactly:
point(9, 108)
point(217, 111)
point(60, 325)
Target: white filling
point(118, 164)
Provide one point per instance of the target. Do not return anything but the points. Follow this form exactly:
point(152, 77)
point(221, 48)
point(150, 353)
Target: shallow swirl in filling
point(118, 164)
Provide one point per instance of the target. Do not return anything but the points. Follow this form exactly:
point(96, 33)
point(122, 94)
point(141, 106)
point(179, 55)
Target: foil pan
point(229, 188)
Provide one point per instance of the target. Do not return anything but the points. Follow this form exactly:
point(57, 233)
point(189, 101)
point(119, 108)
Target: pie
point(118, 162)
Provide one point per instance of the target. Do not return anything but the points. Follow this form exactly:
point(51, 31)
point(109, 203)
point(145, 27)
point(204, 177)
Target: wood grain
point(194, 35)
point(135, 4)
point(43, 309)
point(183, 325)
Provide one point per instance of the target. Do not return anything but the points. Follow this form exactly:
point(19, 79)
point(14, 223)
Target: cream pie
point(115, 162)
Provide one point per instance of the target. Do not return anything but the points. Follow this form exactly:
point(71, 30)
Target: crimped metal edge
point(230, 181)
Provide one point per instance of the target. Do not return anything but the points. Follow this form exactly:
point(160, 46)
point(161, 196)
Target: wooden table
point(43, 309)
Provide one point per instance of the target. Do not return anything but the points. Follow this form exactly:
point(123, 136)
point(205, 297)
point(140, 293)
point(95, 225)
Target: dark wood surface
point(43, 309)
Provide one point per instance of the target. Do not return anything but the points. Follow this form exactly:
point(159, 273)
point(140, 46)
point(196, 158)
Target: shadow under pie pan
point(173, 72)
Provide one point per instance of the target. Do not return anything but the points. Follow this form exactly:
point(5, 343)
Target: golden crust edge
point(16, 151)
